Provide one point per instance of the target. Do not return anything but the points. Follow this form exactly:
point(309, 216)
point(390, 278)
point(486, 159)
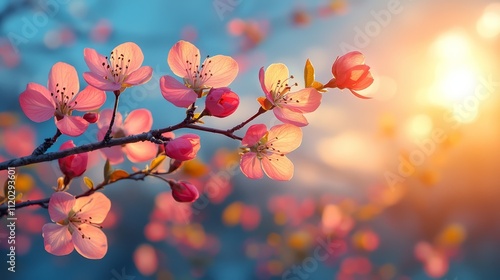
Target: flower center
point(117, 67)
point(281, 90)
point(197, 75)
point(62, 100)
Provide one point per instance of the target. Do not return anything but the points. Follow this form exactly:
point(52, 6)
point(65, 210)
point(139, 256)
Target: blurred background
point(402, 186)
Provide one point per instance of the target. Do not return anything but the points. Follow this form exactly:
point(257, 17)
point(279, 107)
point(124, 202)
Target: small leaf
point(156, 162)
point(107, 170)
point(308, 74)
point(264, 103)
point(88, 182)
point(174, 165)
point(117, 175)
point(196, 116)
point(319, 86)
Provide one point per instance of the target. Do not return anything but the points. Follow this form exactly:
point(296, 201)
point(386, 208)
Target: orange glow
point(488, 25)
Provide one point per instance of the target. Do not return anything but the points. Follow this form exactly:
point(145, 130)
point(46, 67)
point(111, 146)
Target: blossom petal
point(96, 62)
point(36, 103)
point(99, 82)
point(105, 118)
point(221, 70)
point(254, 134)
point(278, 167)
point(138, 121)
point(113, 154)
point(176, 92)
point(60, 204)
point(348, 61)
point(277, 72)
point(140, 151)
point(93, 208)
point(306, 100)
point(139, 76)
point(88, 99)
point(57, 239)
point(288, 116)
point(90, 242)
point(130, 51)
point(63, 79)
point(364, 82)
point(72, 125)
point(250, 165)
point(285, 137)
point(183, 59)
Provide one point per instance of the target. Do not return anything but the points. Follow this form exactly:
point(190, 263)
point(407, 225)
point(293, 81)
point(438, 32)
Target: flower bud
point(73, 165)
point(91, 117)
point(351, 72)
point(183, 148)
point(184, 191)
point(221, 102)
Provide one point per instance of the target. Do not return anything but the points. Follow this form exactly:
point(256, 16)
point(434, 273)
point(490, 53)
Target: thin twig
point(46, 144)
point(107, 137)
point(241, 125)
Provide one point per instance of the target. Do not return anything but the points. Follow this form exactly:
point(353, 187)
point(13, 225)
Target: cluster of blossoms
point(263, 150)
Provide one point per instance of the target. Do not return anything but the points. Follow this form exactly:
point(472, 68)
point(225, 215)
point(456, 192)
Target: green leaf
point(88, 182)
point(156, 162)
point(308, 74)
point(117, 175)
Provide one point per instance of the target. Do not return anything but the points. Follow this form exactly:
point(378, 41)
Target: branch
point(46, 144)
point(241, 125)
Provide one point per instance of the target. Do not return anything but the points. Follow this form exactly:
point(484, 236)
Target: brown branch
point(241, 125)
point(46, 144)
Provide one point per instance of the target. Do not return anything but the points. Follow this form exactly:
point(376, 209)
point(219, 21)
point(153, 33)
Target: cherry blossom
point(184, 191)
point(73, 165)
point(184, 60)
point(221, 102)
point(184, 147)
point(60, 99)
point(263, 149)
point(122, 69)
point(76, 225)
point(136, 122)
point(287, 106)
point(351, 72)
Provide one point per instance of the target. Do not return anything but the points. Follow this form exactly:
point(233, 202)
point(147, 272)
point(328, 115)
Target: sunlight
point(419, 126)
point(488, 25)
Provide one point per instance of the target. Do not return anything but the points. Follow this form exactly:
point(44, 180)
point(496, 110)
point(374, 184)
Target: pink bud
point(184, 191)
point(91, 117)
point(221, 102)
point(351, 72)
point(73, 165)
point(184, 147)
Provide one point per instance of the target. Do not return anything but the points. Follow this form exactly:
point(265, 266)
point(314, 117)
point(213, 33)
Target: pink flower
point(121, 70)
point(91, 117)
point(267, 149)
point(184, 60)
point(351, 72)
point(221, 102)
point(60, 99)
point(288, 107)
point(74, 165)
point(184, 147)
point(137, 121)
point(184, 191)
point(76, 225)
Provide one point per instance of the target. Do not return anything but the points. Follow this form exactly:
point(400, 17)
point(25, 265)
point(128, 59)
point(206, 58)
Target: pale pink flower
point(122, 69)
point(138, 121)
point(73, 165)
point(76, 225)
point(184, 147)
point(59, 100)
point(184, 60)
point(287, 106)
point(351, 72)
point(263, 149)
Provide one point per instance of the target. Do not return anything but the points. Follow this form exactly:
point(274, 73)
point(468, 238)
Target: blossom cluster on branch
point(263, 150)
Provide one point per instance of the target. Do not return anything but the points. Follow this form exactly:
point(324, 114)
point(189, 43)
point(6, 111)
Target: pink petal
point(183, 59)
point(364, 82)
point(113, 154)
point(90, 242)
point(278, 167)
point(250, 165)
point(36, 103)
point(274, 73)
point(347, 61)
point(93, 208)
point(359, 95)
point(138, 121)
point(72, 125)
point(306, 100)
point(288, 116)
point(63, 79)
point(130, 51)
point(139, 76)
point(57, 239)
point(140, 151)
point(95, 62)
point(221, 71)
point(176, 92)
point(254, 134)
point(60, 204)
point(285, 137)
point(105, 119)
point(89, 99)
point(99, 82)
